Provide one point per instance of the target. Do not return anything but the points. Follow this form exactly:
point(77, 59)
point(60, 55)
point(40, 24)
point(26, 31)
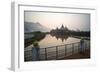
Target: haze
point(73, 21)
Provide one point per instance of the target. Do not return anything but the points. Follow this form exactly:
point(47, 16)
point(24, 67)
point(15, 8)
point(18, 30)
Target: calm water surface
point(50, 41)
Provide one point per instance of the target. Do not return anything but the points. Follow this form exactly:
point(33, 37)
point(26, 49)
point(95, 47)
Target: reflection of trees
point(37, 37)
point(60, 36)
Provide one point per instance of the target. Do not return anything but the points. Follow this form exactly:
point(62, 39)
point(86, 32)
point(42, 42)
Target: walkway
point(84, 55)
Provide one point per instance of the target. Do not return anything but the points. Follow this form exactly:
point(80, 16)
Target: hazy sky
point(54, 20)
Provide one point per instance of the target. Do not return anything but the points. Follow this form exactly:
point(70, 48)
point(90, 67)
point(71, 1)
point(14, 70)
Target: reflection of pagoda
point(61, 37)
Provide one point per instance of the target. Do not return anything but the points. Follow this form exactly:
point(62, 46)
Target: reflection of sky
point(54, 42)
point(53, 20)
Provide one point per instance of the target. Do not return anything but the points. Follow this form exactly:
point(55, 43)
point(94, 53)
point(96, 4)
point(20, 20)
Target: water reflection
point(62, 37)
point(55, 40)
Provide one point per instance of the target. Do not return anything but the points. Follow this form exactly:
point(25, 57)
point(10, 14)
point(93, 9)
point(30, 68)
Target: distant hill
point(31, 27)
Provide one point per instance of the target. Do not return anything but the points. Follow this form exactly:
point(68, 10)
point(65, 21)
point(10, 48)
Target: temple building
point(63, 28)
point(60, 30)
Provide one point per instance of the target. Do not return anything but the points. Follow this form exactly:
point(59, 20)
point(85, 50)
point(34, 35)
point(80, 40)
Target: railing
point(57, 52)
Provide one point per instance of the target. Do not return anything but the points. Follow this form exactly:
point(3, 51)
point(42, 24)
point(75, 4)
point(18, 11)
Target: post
point(65, 50)
point(84, 46)
point(79, 47)
point(72, 48)
point(45, 53)
point(56, 52)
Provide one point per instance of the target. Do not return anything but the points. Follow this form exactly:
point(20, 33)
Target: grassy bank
point(37, 37)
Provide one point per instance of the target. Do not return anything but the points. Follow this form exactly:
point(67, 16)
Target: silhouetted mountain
point(31, 27)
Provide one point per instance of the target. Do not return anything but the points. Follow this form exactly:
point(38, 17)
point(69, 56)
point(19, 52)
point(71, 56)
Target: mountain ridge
point(34, 26)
